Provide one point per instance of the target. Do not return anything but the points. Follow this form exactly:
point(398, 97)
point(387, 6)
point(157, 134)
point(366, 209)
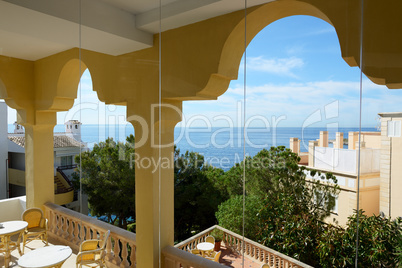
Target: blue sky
point(295, 77)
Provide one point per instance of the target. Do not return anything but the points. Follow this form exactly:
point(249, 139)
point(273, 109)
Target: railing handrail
point(191, 242)
point(270, 250)
point(185, 242)
point(189, 259)
point(71, 228)
point(64, 176)
point(67, 167)
point(104, 226)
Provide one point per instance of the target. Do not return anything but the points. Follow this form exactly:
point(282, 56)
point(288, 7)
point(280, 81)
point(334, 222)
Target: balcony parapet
point(252, 249)
point(174, 257)
point(71, 228)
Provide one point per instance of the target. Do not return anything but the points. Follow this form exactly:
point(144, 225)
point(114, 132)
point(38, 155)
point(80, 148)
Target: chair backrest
point(216, 259)
point(196, 251)
point(210, 239)
point(34, 217)
point(104, 242)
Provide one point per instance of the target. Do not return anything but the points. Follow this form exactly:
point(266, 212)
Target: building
point(380, 176)
point(152, 58)
point(66, 146)
point(390, 167)
point(12, 151)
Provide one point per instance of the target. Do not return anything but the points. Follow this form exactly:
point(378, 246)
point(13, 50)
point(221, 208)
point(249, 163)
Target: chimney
point(295, 145)
point(339, 140)
point(18, 129)
point(311, 146)
point(73, 129)
point(353, 138)
point(323, 142)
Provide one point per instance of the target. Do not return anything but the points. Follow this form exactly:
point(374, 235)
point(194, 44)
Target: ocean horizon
point(221, 146)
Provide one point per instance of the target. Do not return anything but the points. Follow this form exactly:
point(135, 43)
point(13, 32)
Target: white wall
point(345, 160)
point(3, 150)
point(341, 160)
point(11, 209)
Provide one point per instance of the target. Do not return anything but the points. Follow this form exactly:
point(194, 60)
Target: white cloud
point(297, 101)
point(281, 66)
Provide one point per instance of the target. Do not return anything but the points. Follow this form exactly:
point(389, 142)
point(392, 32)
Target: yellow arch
point(257, 19)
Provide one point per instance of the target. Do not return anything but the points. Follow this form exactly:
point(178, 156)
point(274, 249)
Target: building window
point(394, 128)
point(66, 160)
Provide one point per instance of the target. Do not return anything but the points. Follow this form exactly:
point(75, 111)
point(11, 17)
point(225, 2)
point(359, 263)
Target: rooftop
point(59, 141)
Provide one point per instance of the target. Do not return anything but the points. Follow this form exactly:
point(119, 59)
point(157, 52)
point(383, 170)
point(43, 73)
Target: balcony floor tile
point(234, 260)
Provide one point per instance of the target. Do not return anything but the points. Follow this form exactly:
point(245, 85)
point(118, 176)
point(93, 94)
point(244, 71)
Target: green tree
point(292, 206)
point(196, 197)
point(108, 180)
point(230, 215)
point(379, 239)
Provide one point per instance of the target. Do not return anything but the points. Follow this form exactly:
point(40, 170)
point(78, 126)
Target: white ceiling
point(33, 29)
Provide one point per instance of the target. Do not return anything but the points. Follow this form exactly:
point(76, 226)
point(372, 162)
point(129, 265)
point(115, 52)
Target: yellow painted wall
point(370, 200)
point(16, 177)
point(64, 198)
point(372, 139)
point(345, 206)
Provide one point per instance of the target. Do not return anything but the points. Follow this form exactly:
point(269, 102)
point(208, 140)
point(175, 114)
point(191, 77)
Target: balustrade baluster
point(116, 251)
point(258, 253)
point(65, 228)
point(88, 233)
point(124, 255)
point(70, 230)
point(76, 239)
point(109, 254)
point(59, 225)
point(133, 258)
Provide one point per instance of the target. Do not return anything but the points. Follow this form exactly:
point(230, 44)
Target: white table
point(9, 229)
point(49, 256)
point(204, 247)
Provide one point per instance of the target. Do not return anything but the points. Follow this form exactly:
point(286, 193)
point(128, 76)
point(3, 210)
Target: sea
point(221, 147)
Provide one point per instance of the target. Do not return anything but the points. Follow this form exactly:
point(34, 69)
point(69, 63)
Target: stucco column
point(154, 185)
point(39, 157)
point(311, 146)
point(323, 142)
point(294, 144)
point(353, 138)
point(338, 140)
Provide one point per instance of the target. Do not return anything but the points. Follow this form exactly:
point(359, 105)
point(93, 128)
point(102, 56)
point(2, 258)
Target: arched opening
point(90, 123)
point(295, 87)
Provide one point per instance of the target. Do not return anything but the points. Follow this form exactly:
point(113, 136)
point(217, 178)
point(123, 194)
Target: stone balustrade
point(71, 228)
point(175, 258)
point(252, 250)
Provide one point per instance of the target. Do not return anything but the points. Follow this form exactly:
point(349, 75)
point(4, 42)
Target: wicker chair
point(196, 252)
point(37, 226)
point(210, 239)
point(265, 265)
point(92, 252)
point(214, 256)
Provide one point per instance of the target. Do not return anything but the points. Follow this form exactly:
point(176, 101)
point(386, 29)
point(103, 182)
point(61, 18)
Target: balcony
point(67, 227)
point(63, 190)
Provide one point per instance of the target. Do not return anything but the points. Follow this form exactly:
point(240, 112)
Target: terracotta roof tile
point(58, 141)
